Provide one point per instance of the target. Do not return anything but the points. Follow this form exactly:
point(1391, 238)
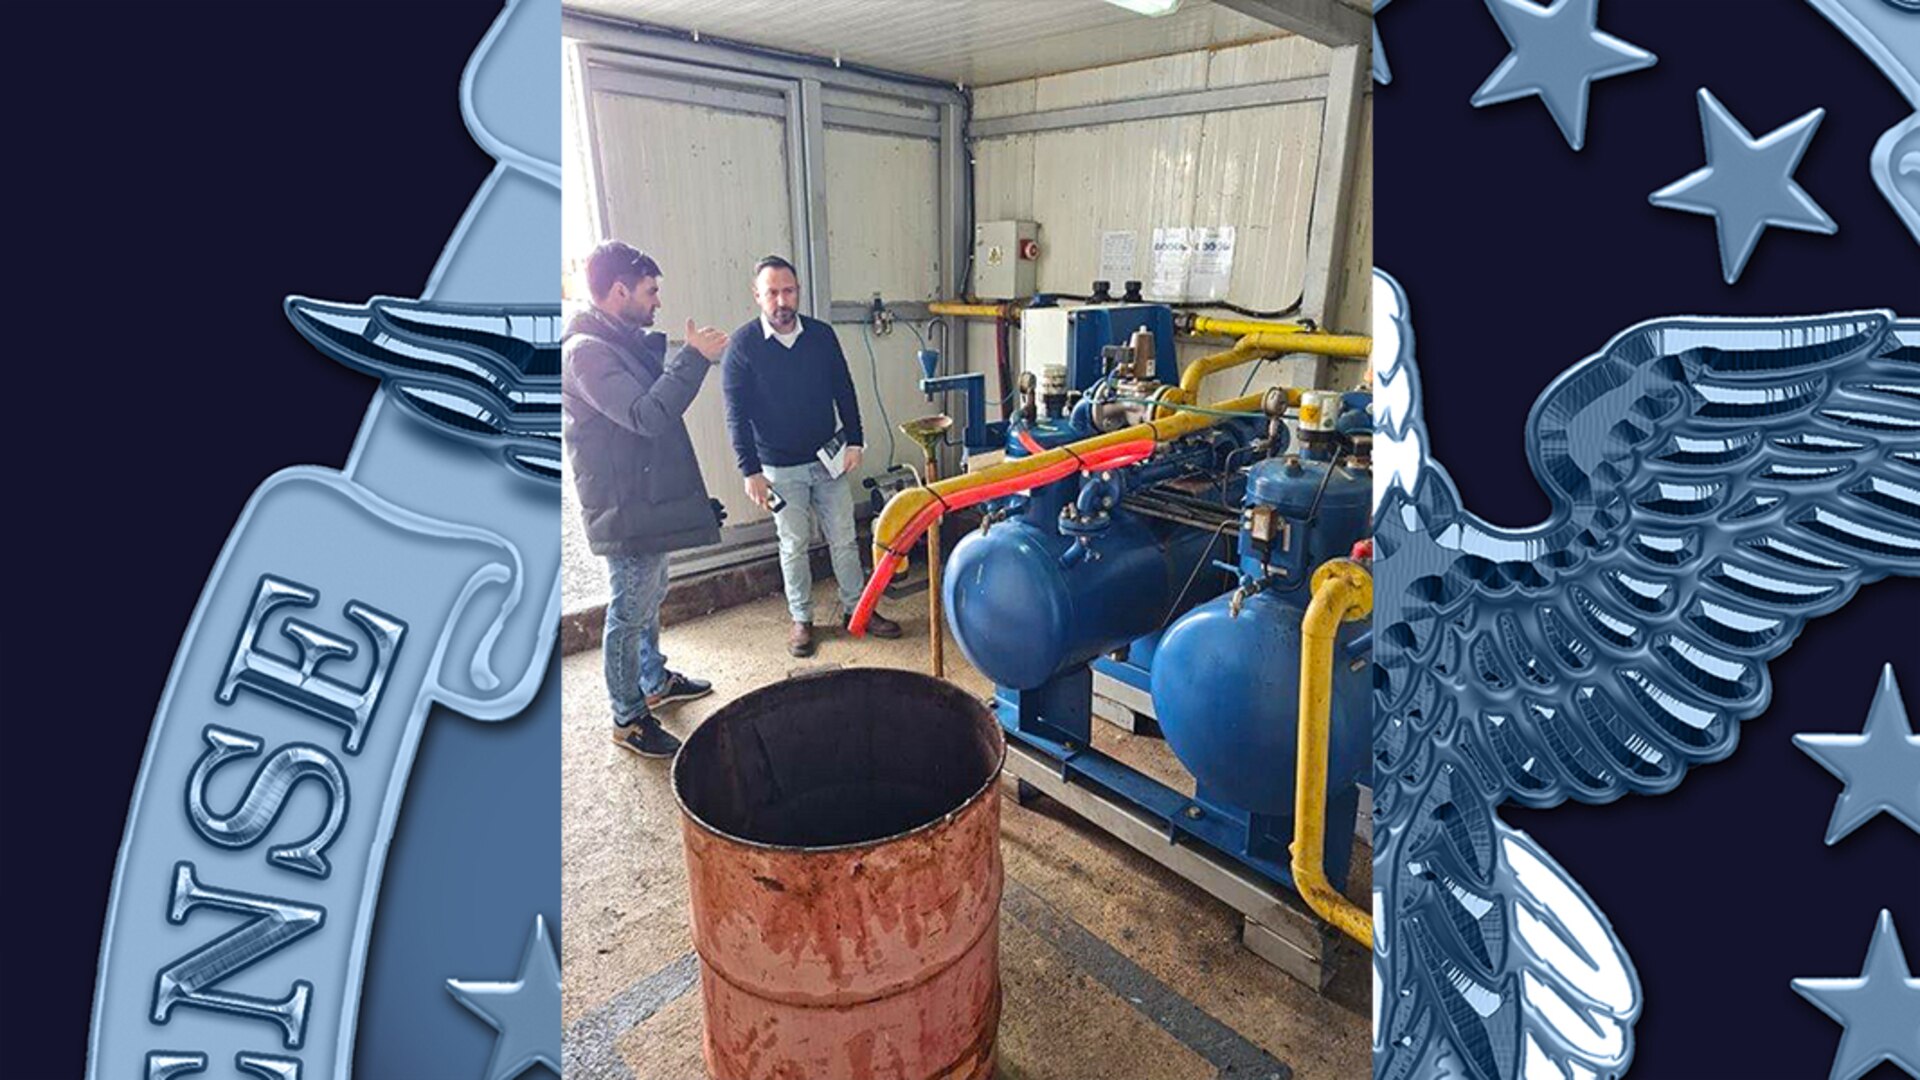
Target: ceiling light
point(1148, 7)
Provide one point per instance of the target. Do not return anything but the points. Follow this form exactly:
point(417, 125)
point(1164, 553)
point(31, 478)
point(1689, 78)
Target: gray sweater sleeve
point(616, 392)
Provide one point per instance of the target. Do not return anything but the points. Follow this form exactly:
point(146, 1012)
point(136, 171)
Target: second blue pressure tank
point(1226, 690)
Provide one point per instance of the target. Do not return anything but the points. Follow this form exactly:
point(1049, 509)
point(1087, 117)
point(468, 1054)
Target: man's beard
point(783, 317)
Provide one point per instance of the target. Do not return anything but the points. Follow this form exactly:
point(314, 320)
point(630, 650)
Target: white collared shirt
point(786, 339)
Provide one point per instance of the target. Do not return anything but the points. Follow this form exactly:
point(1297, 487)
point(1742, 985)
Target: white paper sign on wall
point(1172, 262)
point(1118, 254)
point(1212, 267)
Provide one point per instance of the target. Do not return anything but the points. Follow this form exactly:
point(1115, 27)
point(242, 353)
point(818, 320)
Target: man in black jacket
point(634, 468)
point(789, 396)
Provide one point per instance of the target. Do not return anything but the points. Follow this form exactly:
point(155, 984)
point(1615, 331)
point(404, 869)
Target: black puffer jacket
point(633, 462)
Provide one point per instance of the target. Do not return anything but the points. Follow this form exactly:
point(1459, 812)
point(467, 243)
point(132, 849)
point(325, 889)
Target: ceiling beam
point(1329, 22)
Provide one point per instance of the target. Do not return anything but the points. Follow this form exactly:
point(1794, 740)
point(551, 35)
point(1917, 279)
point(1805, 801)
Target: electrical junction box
point(1004, 258)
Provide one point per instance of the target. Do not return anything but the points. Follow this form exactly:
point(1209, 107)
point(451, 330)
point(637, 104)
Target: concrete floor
point(1111, 965)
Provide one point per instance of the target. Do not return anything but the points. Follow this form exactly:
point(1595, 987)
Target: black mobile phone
point(774, 502)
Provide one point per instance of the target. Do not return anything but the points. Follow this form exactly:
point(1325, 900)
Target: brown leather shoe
point(880, 626)
point(800, 639)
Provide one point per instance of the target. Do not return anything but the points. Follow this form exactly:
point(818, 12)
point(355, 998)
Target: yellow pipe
point(1285, 337)
point(967, 311)
point(1342, 592)
point(1196, 373)
point(1305, 340)
point(1256, 344)
point(1206, 324)
point(1350, 346)
point(1253, 333)
point(903, 506)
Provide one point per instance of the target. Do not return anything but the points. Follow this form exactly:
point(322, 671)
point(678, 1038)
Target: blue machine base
point(1056, 722)
point(1126, 671)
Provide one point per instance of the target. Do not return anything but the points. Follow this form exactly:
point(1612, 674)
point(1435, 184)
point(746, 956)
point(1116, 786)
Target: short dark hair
point(617, 262)
point(774, 262)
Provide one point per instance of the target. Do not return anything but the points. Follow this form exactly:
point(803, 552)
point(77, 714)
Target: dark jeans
point(630, 646)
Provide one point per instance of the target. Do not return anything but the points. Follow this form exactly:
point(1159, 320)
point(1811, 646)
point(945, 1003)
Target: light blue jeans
point(812, 494)
point(630, 642)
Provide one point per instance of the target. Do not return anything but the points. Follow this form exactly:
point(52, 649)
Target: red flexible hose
point(1117, 456)
point(1031, 444)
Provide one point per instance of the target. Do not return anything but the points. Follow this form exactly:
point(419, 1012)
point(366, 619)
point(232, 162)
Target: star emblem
point(1747, 184)
point(526, 1011)
point(1880, 766)
point(1558, 53)
point(1877, 1009)
point(1382, 74)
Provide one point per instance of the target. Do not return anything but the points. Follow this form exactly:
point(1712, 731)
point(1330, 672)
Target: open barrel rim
point(709, 728)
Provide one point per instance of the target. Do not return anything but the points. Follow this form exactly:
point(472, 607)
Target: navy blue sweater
point(780, 401)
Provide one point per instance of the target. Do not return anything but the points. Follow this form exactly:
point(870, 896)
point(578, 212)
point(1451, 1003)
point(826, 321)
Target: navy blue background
point(184, 167)
point(1519, 257)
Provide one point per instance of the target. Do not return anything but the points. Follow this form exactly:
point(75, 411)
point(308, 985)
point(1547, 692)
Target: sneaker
point(800, 639)
point(645, 736)
point(880, 626)
point(679, 688)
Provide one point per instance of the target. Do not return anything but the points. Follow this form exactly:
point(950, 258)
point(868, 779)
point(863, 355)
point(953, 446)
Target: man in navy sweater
point(785, 380)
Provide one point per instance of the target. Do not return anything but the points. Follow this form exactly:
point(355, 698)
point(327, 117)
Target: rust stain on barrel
point(863, 958)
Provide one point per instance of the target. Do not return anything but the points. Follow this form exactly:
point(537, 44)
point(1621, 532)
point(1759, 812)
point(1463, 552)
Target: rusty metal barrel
point(843, 858)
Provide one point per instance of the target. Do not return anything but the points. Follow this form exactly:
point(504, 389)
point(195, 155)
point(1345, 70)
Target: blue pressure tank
point(1327, 514)
point(1226, 691)
point(1024, 610)
point(1226, 687)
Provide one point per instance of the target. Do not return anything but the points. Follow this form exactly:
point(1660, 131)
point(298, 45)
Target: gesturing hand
point(709, 341)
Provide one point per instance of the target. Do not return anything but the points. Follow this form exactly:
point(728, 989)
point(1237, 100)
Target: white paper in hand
point(834, 454)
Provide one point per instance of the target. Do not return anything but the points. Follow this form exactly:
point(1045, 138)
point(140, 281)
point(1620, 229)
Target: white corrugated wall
point(883, 236)
point(1253, 169)
point(705, 191)
point(1356, 310)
